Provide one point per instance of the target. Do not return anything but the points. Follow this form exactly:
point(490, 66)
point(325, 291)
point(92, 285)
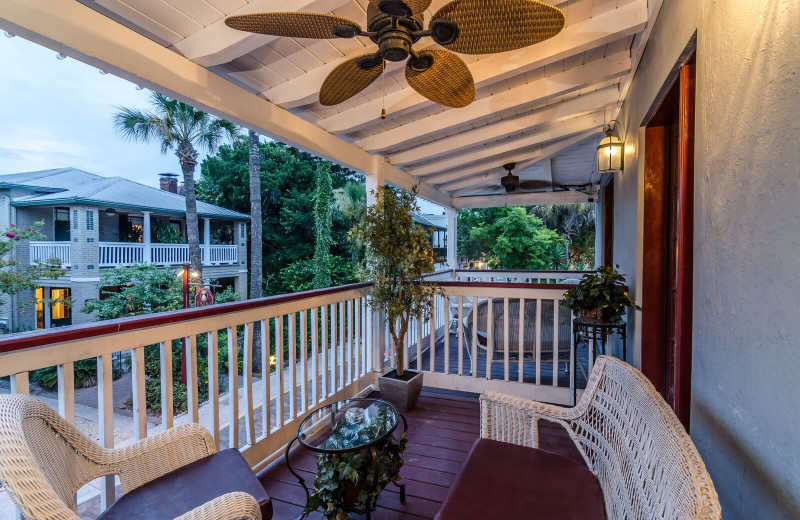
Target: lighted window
point(39, 308)
point(90, 220)
point(59, 309)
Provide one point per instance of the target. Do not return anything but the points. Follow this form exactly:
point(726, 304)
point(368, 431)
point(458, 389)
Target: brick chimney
point(168, 182)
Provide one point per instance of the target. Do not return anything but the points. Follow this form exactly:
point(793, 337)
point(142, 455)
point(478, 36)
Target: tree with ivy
point(323, 199)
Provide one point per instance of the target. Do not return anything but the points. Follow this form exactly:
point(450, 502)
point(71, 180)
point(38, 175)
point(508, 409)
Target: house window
point(61, 224)
point(90, 220)
point(242, 230)
point(74, 219)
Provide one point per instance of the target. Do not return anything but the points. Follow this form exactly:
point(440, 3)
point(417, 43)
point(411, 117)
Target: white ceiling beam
point(466, 140)
point(533, 92)
point(491, 171)
point(217, 43)
point(86, 35)
point(520, 199)
point(599, 30)
point(550, 132)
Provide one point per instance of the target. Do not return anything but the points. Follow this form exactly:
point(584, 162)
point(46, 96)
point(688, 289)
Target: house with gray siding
point(93, 223)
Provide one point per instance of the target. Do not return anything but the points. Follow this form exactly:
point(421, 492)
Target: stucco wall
point(746, 338)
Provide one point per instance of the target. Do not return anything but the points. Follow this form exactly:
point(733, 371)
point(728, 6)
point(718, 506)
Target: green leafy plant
point(601, 295)
point(16, 277)
point(349, 479)
point(398, 254)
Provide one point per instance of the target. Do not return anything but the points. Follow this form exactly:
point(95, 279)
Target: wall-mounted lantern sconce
point(609, 151)
point(110, 212)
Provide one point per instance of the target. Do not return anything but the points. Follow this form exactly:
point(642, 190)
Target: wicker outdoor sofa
point(621, 453)
point(44, 460)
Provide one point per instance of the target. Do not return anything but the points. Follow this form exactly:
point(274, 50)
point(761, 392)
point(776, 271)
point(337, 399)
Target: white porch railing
point(501, 275)
point(45, 251)
point(328, 345)
point(114, 254)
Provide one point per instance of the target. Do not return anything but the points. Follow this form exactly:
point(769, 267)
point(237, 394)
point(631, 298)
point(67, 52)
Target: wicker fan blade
point(349, 78)
point(534, 185)
point(489, 26)
point(442, 77)
point(401, 7)
point(295, 25)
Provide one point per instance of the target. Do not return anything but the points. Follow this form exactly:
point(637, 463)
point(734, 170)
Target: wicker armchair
point(646, 463)
point(44, 460)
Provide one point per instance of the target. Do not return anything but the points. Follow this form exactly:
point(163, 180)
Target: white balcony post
point(147, 256)
point(206, 240)
point(452, 237)
point(374, 179)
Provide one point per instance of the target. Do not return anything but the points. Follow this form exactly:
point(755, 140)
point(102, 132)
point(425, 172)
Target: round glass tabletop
point(348, 425)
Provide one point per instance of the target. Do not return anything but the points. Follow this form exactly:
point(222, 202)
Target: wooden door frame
point(677, 96)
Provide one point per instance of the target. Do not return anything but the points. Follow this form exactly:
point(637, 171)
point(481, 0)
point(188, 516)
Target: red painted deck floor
point(441, 430)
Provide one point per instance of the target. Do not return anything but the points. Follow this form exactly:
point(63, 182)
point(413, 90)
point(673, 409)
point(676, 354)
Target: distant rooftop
point(73, 186)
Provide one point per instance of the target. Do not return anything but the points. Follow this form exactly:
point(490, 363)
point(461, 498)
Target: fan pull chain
point(383, 90)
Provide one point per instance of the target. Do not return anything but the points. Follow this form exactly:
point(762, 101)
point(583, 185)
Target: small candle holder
point(354, 415)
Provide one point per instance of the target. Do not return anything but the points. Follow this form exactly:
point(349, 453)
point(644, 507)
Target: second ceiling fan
point(465, 26)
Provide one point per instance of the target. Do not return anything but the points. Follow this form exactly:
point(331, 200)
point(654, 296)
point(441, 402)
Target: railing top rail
point(508, 285)
point(44, 337)
point(490, 271)
point(49, 242)
point(104, 243)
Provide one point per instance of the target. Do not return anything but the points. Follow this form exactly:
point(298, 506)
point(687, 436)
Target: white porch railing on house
point(45, 251)
point(328, 344)
point(514, 276)
point(114, 254)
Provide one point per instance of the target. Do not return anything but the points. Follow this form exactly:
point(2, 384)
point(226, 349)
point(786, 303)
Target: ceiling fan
point(465, 26)
point(511, 183)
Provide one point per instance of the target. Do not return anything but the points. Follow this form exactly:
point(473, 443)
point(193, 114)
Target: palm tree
point(183, 129)
point(256, 253)
point(569, 220)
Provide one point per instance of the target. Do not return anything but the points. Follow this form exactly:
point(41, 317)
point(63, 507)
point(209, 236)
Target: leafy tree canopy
point(16, 277)
point(287, 189)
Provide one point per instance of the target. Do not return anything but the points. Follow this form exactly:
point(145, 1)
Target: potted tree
point(600, 296)
point(398, 254)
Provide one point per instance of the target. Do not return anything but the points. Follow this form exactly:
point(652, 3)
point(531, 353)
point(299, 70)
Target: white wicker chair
point(44, 460)
point(646, 464)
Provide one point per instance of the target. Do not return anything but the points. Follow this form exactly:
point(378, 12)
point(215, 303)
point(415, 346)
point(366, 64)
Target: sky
point(56, 113)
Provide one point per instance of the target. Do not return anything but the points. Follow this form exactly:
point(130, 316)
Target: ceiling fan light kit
point(463, 26)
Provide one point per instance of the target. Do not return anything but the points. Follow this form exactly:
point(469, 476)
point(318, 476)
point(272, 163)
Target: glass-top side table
point(348, 426)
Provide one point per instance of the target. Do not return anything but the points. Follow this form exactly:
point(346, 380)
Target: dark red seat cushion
point(510, 482)
point(180, 491)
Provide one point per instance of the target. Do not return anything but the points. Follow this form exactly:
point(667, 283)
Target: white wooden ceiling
point(543, 106)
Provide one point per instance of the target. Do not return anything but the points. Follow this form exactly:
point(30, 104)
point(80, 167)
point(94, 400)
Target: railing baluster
point(139, 398)
point(446, 345)
point(66, 391)
point(233, 388)
point(460, 333)
point(521, 342)
point(489, 337)
point(167, 407)
point(334, 351)
point(292, 365)
point(20, 383)
point(555, 342)
point(418, 327)
point(342, 358)
point(247, 354)
point(191, 379)
point(304, 358)
point(572, 347)
point(432, 334)
point(212, 339)
point(266, 378)
point(105, 421)
point(349, 343)
point(357, 344)
point(474, 361)
point(315, 355)
point(325, 355)
point(279, 370)
point(538, 341)
point(506, 343)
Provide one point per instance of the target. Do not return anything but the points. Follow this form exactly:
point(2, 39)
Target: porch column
point(452, 237)
point(207, 241)
point(147, 257)
point(47, 310)
point(374, 179)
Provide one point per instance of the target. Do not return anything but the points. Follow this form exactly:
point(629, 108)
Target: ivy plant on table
point(603, 293)
point(349, 479)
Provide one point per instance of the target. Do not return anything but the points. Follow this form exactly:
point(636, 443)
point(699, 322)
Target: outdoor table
point(348, 426)
point(597, 331)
